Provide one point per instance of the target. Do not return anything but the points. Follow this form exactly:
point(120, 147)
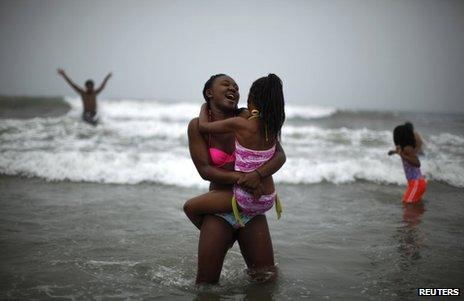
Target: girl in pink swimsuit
point(256, 133)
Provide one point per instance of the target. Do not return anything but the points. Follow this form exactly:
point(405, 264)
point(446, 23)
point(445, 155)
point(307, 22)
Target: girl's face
point(224, 94)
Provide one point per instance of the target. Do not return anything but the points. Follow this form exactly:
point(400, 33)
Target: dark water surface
point(78, 241)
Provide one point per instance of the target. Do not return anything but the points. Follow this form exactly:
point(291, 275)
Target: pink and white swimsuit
point(248, 160)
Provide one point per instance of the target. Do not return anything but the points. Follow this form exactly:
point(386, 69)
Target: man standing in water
point(89, 96)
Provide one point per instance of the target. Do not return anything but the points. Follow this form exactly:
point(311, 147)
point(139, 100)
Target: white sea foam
point(103, 167)
point(112, 263)
point(308, 112)
point(143, 141)
point(181, 111)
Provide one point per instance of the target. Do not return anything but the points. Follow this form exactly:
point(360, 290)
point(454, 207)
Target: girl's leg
point(215, 201)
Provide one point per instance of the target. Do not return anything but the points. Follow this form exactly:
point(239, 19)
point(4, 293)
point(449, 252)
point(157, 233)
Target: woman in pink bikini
point(219, 231)
point(256, 132)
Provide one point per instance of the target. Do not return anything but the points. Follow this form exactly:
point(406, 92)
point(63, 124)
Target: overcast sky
point(397, 55)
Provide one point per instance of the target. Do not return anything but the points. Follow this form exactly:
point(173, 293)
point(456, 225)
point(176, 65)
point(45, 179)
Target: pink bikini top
point(219, 157)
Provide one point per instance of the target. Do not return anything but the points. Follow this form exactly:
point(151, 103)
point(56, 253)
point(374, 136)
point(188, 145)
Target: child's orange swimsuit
point(417, 184)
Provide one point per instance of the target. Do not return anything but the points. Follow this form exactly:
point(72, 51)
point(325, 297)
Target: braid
point(268, 97)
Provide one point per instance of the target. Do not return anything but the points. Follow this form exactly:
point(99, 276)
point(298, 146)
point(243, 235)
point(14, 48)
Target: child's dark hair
point(403, 135)
point(209, 84)
point(267, 95)
point(409, 125)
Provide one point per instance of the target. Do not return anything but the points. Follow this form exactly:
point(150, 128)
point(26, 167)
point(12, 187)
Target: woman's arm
point(200, 156)
point(408, 154)
point(273, 165)
point(229, 125)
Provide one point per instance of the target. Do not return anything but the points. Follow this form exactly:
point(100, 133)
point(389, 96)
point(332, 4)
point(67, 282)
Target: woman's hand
point(250, 180)
point(258, 192)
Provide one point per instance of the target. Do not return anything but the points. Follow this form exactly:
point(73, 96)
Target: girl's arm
point(397, 150)
point(228, 125)
point(408, 154)
point(199, 153)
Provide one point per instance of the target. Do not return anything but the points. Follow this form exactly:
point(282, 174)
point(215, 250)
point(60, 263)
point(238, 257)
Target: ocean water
point(94, 213)
point(146, 141)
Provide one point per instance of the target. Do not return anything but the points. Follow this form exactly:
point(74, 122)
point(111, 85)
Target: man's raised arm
point(103, 84)
point(70, 82)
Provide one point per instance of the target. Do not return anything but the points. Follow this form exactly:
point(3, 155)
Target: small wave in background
point(146, 141)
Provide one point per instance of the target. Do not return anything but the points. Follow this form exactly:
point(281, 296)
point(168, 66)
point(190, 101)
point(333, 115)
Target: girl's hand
point(396, 151)
point(204, 108)
point(204, 112)
point(203, 118)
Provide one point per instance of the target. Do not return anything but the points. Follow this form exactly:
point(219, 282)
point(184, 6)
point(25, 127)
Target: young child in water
point(405, 142)
point(256, 133)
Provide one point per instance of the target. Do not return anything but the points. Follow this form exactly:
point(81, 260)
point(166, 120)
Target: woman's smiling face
point(224, 93)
